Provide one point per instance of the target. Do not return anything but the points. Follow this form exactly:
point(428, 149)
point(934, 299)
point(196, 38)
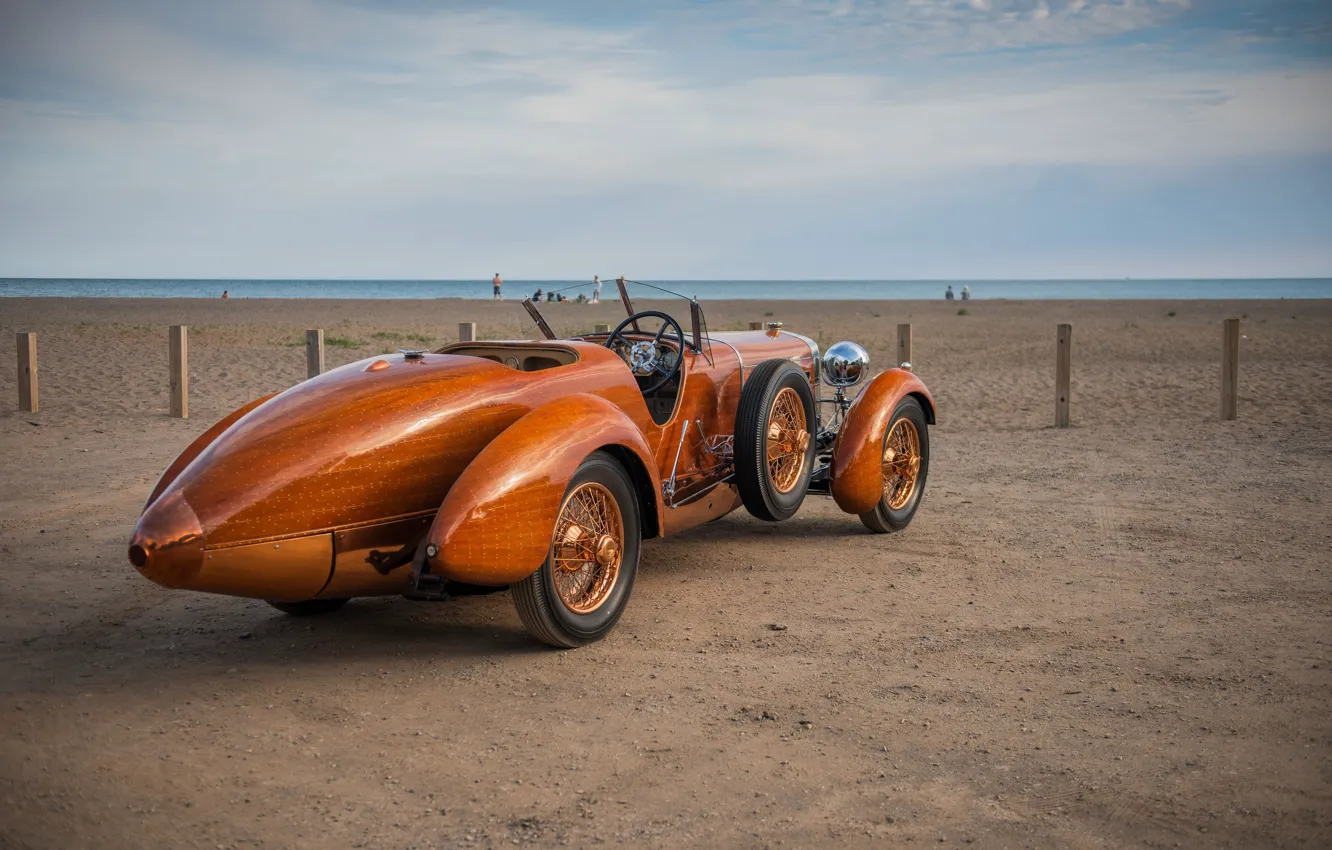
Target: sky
point(728, 139)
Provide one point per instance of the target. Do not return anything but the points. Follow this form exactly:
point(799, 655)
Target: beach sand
point(1113, 635)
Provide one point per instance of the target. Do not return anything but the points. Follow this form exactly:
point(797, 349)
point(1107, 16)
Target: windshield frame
point(698, 324)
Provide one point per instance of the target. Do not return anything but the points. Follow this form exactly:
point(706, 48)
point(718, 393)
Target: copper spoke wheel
point(773, 444)
point(587, 548)
point(904, 466)
point(901, 463)
point(579, 592)
point(787, 440)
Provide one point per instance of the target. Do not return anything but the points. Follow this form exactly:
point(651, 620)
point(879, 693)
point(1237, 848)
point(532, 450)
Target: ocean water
point(708, 290)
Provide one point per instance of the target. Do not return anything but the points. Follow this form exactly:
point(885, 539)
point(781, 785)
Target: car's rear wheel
point(309, 607)
point(905, 463)
point(579, 593)
point(774, 449)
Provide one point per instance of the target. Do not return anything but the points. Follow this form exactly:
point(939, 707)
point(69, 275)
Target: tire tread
point(879, 519)
point(531, 597)
point(750, 417)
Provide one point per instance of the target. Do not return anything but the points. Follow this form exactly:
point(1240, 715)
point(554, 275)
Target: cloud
point(883, 28)
point(297, 109)
point(509, 104)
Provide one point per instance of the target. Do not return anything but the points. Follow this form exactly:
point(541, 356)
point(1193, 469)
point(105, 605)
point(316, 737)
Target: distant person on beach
point(537, 295)
point(596, 293)
point(966, 293)
point(497, 283)
point(224, 295)
point(948, 293)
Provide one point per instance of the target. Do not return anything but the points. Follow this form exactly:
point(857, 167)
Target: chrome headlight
point(845, 364)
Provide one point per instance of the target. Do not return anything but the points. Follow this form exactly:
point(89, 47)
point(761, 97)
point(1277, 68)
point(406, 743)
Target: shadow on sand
point(740, 526)
point(129, 642)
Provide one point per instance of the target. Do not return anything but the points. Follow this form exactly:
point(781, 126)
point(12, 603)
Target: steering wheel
point(646, 358)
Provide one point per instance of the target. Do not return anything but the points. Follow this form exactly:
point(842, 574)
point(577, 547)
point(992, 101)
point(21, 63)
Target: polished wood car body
point(325, 490)
point(856, 478)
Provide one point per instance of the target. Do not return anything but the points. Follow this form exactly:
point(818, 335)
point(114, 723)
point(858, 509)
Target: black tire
point(753, 477)
point(545, 614)
point(883, 519)
point(309, 607)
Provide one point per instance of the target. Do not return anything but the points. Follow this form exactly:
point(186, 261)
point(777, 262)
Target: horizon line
point(1139, 279)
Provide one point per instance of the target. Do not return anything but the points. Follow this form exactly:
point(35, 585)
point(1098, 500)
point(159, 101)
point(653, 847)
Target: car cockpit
point(652, 344)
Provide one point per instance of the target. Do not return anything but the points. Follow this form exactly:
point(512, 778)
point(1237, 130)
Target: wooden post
point(903, 345)
point(1230, 337)
point(179, 356)
point(27, 372)
point(756, 326)
point(314, 352)
point(601, 328)
point(1063, 373)
point(467, 332)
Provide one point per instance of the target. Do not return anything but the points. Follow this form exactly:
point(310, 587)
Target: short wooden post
point(27, 372)
point(601, 328)
point(314, 352)
point(179, 356)
point(1063, 373)
point(467, 332)
point(756, 326)
point(1230, 337)
point(903, 345)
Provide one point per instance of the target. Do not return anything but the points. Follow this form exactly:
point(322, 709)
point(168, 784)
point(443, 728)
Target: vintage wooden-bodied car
point(536, 465)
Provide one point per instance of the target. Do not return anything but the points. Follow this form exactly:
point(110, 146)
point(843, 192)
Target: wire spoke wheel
point(787, 440)
point(774, 454)
point(587, 548)
point(904, 466)
point(579, 592)
point(901, 463)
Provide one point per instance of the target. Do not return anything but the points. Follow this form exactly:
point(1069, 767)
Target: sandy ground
point(1114, 635)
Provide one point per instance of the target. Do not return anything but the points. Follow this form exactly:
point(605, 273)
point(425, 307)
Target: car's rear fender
point(857, 464)
point(197, 447)
point(494, 526)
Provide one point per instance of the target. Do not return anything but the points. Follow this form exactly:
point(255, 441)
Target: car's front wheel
point(579, 593)
point(905, 463)
point(774, 452)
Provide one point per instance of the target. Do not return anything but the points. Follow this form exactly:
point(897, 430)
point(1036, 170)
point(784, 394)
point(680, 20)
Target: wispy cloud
point(955, 26)
point(301, 107)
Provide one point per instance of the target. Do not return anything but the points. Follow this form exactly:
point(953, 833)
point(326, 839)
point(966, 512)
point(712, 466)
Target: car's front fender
point(495, 524)
point(857, 463)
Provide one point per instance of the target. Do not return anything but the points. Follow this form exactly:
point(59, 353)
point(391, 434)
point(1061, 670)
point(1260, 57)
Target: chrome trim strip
point(737, 357)
point(813, 349)
point(706, 491)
